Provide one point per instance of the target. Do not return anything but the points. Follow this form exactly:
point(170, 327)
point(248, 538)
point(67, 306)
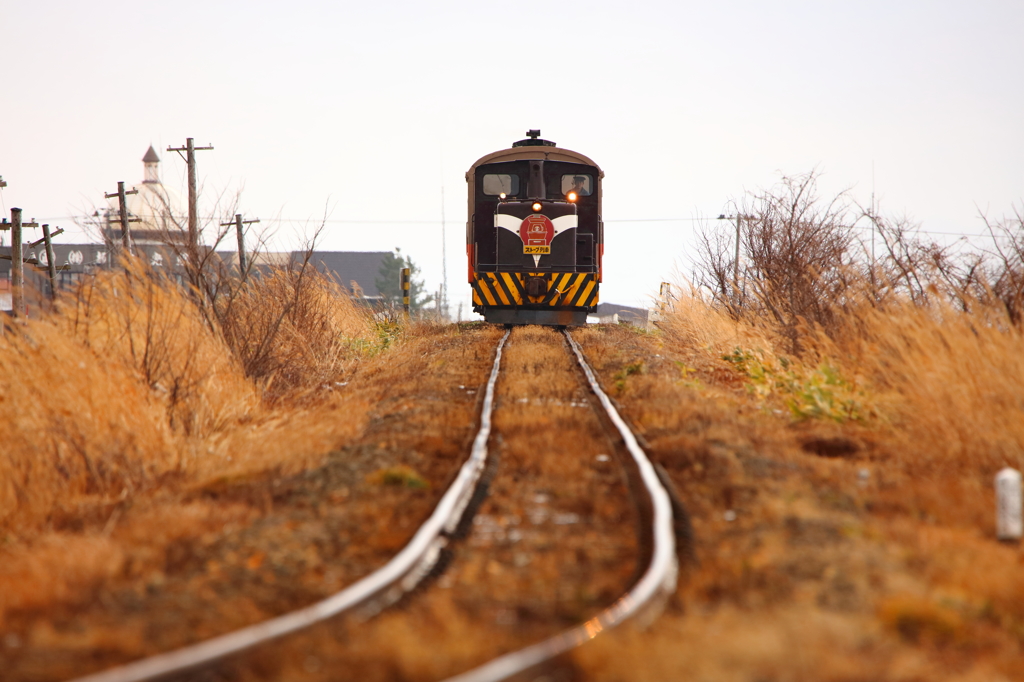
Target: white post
point(1008, 505)
point(661, 307)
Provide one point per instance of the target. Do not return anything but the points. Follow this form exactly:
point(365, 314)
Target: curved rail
point(398, 576)
point(659, 578)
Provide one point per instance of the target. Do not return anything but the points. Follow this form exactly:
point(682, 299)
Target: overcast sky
point(367, 110)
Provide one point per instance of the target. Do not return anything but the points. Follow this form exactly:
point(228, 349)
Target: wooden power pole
point(736, 260)
point(51, 265)
point(126, 235)
point(238, 223)
point(193, 198)
point(18, 263)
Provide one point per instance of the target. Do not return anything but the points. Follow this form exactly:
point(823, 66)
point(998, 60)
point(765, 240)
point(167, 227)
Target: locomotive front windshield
point(496, 184)
point(581, 183)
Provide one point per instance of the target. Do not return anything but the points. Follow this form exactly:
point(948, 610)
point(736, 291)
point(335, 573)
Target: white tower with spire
point(151, 166)
point(158, 209)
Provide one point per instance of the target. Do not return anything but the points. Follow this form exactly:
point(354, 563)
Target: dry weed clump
point(154, 327)
point(127, 382)
point(937, 388)
point(948, 380)
point(922, 341)
point(895, 383)
point(293, 330)
point(77, 423)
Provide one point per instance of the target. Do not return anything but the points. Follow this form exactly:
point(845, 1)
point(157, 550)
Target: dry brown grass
point(936, 389)
point(264, 514)
point(143, 429)
point(126, 392)
point(290, 334)
point(863, 546)
point(127, 382)
point(948, 380)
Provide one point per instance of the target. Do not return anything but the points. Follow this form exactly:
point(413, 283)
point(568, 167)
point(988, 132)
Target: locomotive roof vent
point(533, 140)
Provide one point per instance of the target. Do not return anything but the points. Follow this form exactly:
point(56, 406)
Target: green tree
point(389, 281)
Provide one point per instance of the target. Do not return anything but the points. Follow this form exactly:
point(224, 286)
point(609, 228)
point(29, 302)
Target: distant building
point(36, 279)
point(159, 235)
point(157, 209)
point(357, 271)
point(612, 313)
point(74, 261)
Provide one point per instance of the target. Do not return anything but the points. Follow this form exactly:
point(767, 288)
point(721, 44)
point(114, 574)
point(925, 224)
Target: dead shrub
point(132, 377)
point(146, 320)
point(796, 258)
point(293, 330)
point(1006, 276)
point(80, 422)
point(924, 350)
point(801, 269)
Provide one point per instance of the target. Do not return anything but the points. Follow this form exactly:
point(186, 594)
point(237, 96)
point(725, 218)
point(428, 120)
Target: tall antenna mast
point(874, 224)
point(444, 260)
point(442, 307)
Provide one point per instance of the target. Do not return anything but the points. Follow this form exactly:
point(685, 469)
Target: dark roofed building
point(357, 271)
point(351, 269)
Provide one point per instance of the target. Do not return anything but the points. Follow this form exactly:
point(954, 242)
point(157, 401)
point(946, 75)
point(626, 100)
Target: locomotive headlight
point(571, 196)
point(537, 206)
point(502, 196)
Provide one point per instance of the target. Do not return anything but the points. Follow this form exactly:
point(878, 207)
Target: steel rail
point(658, 580)
point(395, 578)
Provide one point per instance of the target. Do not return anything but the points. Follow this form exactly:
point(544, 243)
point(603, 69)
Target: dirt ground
point(554, 542)
point(810, 565)
point(193, 561)
point(813, 564)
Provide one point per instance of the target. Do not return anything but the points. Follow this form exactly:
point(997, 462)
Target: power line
point(950, 234)
point(434, 222)
point(656, 220)
point(280, 220)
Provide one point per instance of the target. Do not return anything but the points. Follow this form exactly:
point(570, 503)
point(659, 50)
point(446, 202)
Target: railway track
point(657, 581)
point(653, 580)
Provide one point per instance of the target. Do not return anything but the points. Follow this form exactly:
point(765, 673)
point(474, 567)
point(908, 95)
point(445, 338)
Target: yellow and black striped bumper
point(564, 290)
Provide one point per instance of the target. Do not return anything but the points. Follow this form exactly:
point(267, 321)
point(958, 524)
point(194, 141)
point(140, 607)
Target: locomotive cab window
point(581, 183)
point(496, 183)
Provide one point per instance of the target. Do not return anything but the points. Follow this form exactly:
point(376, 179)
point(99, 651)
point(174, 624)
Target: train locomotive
point(534, 238)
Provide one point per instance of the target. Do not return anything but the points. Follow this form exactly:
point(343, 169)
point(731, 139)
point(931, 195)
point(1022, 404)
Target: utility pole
point(238, 222)
point(736, 262)
point(18, 263)
point(736, 259)
point(193, 199)
point(444, 261)
point(51, 266)
point(126, 235)
point(874, 227)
